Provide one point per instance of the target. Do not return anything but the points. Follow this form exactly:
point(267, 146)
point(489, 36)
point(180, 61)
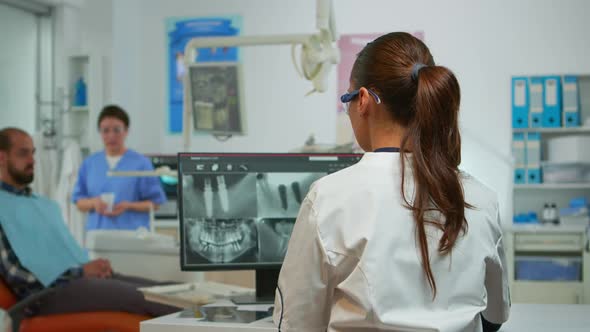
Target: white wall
point(83, 28)
point(96, 37)
point(484, 42)
point(18, 33)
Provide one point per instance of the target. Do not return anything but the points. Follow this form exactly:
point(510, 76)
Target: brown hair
point(424, 99)
point(6, 137)
point(113, 111)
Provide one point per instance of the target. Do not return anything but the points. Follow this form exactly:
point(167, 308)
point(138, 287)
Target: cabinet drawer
point(550, 292)
point(548, 242)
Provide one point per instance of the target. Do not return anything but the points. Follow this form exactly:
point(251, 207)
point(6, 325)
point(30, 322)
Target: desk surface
point(523, 317)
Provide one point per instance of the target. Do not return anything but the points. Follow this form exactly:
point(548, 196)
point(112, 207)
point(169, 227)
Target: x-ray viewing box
point(237, 211)
point(216, 97)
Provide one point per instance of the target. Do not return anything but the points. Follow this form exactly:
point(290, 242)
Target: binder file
point(519, 153)
point(552, 102)
point(571, 102)
point(536, 101)
point(520, 102)
point(533, 158)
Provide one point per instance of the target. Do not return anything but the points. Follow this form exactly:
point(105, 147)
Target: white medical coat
point(353, 261)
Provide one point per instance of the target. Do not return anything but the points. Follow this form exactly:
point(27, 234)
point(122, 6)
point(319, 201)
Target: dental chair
point(83, 321)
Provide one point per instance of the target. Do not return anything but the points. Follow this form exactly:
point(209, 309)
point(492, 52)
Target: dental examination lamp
point(318, 53)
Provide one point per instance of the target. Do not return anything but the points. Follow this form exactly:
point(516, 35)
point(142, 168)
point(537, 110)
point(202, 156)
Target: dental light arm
point(318, 53)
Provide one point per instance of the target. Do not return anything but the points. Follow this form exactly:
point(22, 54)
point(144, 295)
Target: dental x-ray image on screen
point(223, 196)
point(273, 238)
point(238, 210)
point(279, 195)
point(221, 241)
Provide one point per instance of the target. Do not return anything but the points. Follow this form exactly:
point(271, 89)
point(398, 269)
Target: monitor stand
point(266, 285)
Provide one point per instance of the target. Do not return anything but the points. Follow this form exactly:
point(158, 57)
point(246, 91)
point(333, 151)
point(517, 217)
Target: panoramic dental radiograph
point(220, 212)
point(241, 218)
point(222, 240)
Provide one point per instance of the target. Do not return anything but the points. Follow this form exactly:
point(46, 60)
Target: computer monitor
point(237, 211)
point(168, 210)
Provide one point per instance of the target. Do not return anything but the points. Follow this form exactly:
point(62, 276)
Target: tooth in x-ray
point(208, 194)
point(222, 191)
point(296, 191)
point(283, 196)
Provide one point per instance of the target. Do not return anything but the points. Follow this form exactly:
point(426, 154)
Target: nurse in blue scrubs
point(133, 196)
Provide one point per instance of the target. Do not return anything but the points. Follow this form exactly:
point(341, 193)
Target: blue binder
point(533, 158)
point(552, 102)
point(519, 153)
point(571, 102)
point(536, 101)
point(520, 102)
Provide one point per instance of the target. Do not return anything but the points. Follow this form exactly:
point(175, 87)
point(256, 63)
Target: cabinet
point(562, 249)
point(558, 243)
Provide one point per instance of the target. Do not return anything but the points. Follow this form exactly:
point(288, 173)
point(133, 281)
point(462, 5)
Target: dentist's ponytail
point(435, 142)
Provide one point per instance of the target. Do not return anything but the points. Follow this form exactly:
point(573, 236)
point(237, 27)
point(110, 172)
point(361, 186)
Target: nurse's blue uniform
point(94, 181)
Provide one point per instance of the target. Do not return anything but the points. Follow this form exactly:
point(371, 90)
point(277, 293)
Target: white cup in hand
point(109, 199)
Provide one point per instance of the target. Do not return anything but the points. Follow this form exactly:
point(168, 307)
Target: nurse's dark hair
point(113, 111)
point(6, 137)
point(423, 98)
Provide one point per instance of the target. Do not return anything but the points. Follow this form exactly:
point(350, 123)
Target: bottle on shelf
point(546, 214)
point(554, 214)
point(80, 99)
point(550, 214)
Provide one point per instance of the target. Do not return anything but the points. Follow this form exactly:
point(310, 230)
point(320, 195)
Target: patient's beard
point(20, 177)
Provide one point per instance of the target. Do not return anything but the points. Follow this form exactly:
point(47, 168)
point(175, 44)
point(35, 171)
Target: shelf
point(79, 109)
point(570, 130)
point(545, 163)
point(570, 283)
point(539, 228)
point(553, 186)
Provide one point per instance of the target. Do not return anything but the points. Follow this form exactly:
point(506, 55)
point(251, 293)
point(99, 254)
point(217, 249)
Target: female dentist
point(133, 196)
point(403, 240)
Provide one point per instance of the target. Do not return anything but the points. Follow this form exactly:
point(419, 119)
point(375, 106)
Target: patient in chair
point(37, 251)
